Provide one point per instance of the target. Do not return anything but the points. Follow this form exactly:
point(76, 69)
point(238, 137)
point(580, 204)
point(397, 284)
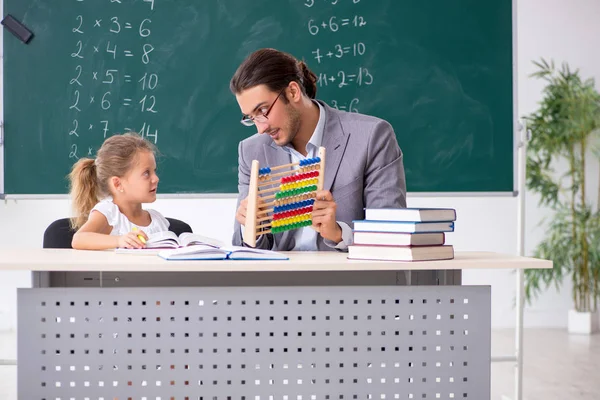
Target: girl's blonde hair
point(89, 178)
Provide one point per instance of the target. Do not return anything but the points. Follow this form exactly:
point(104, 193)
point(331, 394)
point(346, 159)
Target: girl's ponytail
point(84, 190)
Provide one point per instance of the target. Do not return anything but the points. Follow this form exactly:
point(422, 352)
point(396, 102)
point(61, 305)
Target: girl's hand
point(131, 240)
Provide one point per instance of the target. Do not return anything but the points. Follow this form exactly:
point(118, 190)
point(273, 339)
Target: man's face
point(282, 120)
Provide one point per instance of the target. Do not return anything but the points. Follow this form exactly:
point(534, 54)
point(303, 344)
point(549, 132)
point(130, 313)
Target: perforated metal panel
point(255, 343)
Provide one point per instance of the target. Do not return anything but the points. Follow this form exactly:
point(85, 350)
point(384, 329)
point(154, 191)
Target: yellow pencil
point(139, 236)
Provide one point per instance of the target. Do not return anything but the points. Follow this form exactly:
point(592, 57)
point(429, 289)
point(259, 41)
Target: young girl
point(108, 192)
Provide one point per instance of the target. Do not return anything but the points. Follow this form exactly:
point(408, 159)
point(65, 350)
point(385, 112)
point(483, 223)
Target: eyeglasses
point(262, 115)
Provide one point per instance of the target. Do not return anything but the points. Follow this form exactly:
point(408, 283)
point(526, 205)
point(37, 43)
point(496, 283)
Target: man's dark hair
point(276, 70)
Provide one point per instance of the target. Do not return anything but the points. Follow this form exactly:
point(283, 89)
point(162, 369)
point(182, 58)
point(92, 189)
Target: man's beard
point(293, 124)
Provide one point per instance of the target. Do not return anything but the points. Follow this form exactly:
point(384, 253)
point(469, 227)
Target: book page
point(162, 239)
point(189, 239)
point(198, 251)
point(240, 252)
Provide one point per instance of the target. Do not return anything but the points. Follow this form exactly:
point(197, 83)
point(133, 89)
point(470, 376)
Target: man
point(363, 166)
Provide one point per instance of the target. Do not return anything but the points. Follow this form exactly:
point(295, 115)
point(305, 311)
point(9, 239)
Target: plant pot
point(583, 322)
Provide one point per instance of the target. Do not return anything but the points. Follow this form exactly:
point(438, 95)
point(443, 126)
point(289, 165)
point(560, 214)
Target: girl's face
point(140, 183)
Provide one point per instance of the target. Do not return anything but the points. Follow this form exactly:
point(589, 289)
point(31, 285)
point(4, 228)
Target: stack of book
point(403, 234)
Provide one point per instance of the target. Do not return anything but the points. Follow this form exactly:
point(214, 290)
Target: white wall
point(563, 30)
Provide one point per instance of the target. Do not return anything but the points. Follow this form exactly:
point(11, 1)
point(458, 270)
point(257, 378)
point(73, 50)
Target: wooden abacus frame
point(264, 186)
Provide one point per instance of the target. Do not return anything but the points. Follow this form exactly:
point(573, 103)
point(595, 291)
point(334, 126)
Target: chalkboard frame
point(2, 147)
point(517, 135)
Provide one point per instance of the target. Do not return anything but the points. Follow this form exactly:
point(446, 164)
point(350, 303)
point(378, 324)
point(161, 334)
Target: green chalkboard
point(440, 71)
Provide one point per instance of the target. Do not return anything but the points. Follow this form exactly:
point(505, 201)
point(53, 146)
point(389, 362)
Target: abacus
point(281, 198)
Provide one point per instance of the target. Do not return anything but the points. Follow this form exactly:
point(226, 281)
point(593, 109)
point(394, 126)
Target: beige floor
point(8, 373)
point(558, 366)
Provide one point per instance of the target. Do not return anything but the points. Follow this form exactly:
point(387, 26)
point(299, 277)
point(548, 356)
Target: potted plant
point(564, 130)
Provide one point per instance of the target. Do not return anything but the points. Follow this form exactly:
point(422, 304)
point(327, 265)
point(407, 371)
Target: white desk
point(237, 338)
point(79, 260)
point(72, 268)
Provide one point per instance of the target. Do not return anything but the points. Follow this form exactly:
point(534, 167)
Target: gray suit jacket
point(363, 168)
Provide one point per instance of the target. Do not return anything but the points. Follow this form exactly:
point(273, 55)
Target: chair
point(178, 227)
point(59, 235)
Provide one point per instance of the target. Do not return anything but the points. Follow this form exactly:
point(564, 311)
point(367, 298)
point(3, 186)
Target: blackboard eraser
point(17, 28)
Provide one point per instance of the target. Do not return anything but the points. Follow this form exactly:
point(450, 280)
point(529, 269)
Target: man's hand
point(323, 216)
point(242, 210)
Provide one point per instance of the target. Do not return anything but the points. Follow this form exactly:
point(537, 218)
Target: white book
point(399, 239)
point(400, 253)
point(207, 252)
point(410, 214)
point(169, 240)
point(400, 226)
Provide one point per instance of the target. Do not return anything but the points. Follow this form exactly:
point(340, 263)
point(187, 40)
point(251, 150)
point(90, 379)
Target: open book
point(169, 240)
point(208, 252)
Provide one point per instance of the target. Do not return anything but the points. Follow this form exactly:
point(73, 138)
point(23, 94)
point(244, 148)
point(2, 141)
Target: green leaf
point(565, 125)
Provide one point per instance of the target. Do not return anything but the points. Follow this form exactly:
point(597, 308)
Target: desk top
point(83, 260)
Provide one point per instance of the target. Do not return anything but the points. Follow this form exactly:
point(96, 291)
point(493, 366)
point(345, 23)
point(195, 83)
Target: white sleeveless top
point(121, 225)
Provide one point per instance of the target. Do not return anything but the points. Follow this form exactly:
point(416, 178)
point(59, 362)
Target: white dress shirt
point(306, 237)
